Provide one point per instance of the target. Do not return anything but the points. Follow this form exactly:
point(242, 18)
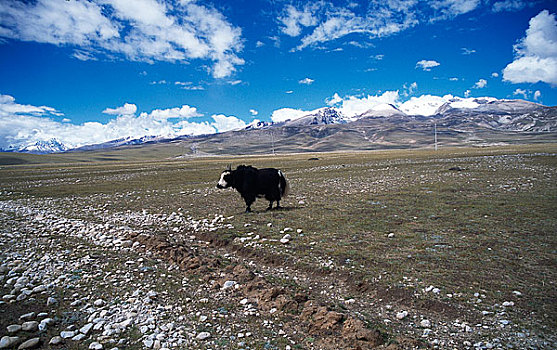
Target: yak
point(255, 183)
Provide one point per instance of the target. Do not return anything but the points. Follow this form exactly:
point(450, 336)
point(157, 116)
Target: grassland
point(451, 235)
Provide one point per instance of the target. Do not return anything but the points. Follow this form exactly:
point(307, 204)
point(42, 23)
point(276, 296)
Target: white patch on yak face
point(222, 182)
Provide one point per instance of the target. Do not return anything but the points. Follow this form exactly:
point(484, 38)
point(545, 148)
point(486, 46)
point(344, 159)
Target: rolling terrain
point(389, 249)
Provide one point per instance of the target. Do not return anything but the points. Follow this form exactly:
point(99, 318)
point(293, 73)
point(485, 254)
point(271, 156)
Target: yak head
point(225, 178)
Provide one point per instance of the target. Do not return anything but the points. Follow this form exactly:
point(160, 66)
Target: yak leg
point(270, 207)
point(278, 204)
point(249, 199)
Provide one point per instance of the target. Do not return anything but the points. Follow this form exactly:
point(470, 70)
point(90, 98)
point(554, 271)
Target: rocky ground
point(76, 273)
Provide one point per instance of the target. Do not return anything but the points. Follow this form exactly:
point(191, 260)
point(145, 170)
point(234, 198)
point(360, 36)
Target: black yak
point(252, 183)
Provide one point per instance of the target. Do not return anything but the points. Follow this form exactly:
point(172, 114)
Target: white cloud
point(146, 30)
point(495, 75)
point(426, 65)
point(509, 5)
point(467, 51)
point(467, 93)
point(453, 79)
point(352, 106)
point(536, 54)
point(126, 109)
point(522, 92)
point(21, 125)
point(253, 112)
point(8, 106)
point(289, 92)
point(306, 81)
point(446, 9)
point(293, 19)
point(537, 95)
point(223, 123)
point(326, 21)
point(423, 105)
point(408, 90)
point(284, 114)
point(480, 84)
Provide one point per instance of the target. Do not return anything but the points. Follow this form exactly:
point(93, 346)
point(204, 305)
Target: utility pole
point(435, 133)
point(272, 142)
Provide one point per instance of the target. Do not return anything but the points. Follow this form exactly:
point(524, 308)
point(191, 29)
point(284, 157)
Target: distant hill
point(471, 121)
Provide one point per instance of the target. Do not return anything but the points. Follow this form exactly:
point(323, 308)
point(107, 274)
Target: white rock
point(14, 328)
point(402, 314)
point(79, 337)
point(7, 342)
point(148, 342)
point(425, 323)
point(98, 302)
point(95, 346)
point(86, 329)
point(203, 336)
point(228, 284)
point(30, 326)
point(56, 340)
point(29, 344)
point(67, 334)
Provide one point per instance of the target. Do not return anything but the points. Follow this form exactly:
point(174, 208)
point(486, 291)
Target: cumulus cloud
point(426, 65)
point(126, 109)
point(226, 123)
point(22, 125)
point(148, 30)
point(480, 84)
point(352, 106)
point(253, 112)
point(284, 114)
point(8, 107)
point(306, 81)
point(536, 54)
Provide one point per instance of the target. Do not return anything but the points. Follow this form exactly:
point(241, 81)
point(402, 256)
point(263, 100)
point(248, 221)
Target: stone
point(86, 329)
point(51, 301)
point(30, 344)
point(8, 342)
point(79, 337)
point(28, 316)
point(401, 315)
point(425, 323)
point(45, 323)
point(30, 326)
point(67, 334)
point(95, 346)
point(228, 284)
point(57, 340)
point(98, 302)
point(14, 328)
point(203, 336)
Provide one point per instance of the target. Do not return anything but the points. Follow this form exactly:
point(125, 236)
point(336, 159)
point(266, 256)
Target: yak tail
point(284, 186)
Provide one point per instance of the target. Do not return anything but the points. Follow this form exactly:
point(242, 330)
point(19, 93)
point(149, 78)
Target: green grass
point(490, 228)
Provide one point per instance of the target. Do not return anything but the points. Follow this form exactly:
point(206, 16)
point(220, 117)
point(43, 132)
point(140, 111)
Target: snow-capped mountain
point(40, 147)
point(126, 141)
point(258, 124)
point(415, 116)
point(322, 116)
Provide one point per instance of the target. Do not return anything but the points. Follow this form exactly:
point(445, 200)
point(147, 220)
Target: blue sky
point(87, 71)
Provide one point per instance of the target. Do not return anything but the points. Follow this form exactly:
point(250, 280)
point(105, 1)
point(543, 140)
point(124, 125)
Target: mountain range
point(458, 121)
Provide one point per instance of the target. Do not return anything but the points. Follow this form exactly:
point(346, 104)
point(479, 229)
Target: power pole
point(272, 142)
point(435, 133)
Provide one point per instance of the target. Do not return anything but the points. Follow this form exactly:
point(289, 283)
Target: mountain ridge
point(384, 124)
